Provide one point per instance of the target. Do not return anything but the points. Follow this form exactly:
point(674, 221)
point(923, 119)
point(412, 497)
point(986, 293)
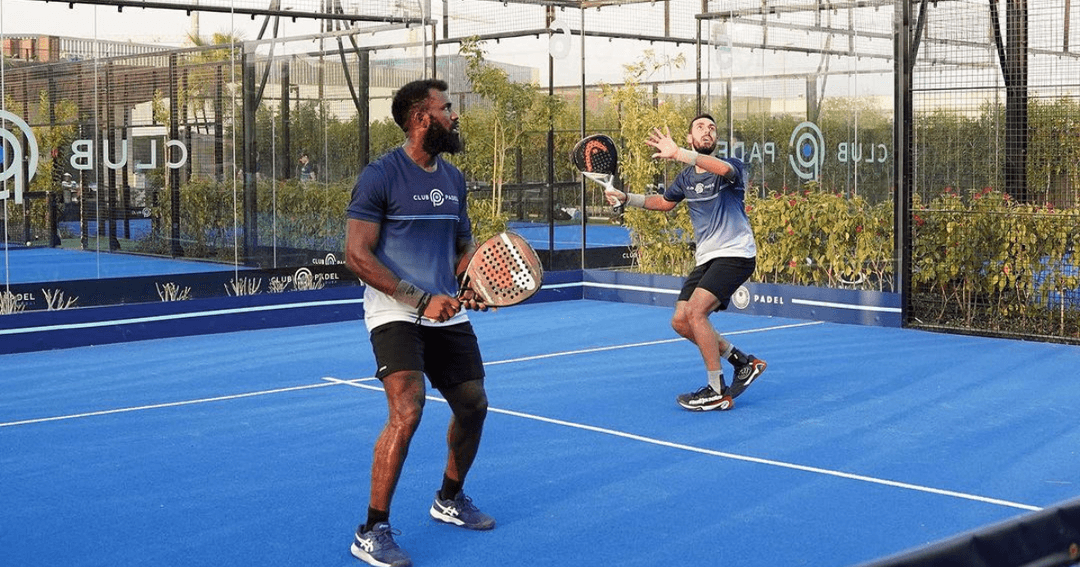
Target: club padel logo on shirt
point(436, 196)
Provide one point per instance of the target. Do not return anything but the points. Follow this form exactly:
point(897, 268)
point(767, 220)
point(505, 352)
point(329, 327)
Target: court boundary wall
point(1047, 538)
point(49, 330)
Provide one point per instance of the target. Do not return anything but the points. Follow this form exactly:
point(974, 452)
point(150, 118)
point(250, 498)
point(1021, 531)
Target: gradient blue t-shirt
point(422, 215)
point(717, 209)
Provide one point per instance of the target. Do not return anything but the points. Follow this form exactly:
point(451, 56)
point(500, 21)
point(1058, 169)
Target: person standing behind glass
point(306, 169)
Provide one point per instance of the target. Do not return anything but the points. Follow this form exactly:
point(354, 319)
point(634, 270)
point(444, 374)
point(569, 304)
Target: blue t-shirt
point(422, 215)
point(717, 209)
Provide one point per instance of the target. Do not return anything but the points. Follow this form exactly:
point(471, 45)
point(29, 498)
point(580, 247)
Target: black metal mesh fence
point(194, 151)
point(996, 165)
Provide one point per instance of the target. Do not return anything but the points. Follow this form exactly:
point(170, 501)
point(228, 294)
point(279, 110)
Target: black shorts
point(719, 276)
point(448, 355)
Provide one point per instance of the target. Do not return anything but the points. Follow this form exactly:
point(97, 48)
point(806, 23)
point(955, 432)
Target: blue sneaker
point(461, 512)
point(377, 547)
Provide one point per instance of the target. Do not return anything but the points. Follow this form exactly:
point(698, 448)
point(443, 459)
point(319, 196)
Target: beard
point(706, 149)
point(438, 139)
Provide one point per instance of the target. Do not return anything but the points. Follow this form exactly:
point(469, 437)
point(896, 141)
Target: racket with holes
point(597, 158)
point(504, 271)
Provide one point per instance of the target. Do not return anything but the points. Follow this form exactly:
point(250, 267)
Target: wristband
point(690, 157)
point(409, 294)
point(635, 200)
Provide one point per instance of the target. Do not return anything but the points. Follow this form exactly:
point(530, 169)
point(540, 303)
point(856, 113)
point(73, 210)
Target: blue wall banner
point(797, 302)
point(320, 297)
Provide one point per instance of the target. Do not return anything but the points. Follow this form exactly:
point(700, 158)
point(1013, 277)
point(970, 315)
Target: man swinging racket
point(714, 190)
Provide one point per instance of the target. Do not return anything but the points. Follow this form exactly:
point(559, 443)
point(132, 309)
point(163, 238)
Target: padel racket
point(597, 158)
point(504, 271)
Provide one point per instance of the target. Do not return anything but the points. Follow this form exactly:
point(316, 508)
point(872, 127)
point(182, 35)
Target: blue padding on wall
point(34, 331)
point(44, 330)
point(1045, 538)
point(797, 302)
point(559, 286)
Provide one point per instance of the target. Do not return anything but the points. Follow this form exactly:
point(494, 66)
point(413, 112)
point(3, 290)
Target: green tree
point(495, 132)
point(662, 239)
point(201, 70)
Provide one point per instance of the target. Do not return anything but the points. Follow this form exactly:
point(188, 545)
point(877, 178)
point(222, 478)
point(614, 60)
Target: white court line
point(834, 305)
point(321, 385)
point(730, 456)
point(164, 405)
point(646, 343)
point(632, 288)
point(177, 316)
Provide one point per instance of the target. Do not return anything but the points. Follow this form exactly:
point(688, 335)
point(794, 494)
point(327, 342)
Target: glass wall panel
point(210, 149)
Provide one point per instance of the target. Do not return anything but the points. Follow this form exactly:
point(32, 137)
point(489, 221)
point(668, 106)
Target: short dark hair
point(410, 96)
point(698, 117)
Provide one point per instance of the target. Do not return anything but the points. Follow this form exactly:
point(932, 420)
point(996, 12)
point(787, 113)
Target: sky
point(170, 27)
point(605, 59)
point(134, 24)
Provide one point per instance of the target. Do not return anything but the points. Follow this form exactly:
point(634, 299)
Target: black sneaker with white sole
point(706, 399)
point(745, 374)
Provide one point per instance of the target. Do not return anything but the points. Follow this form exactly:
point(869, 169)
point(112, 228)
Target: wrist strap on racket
point(423, 305)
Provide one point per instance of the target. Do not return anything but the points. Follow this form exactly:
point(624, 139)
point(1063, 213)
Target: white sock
point(716, 380)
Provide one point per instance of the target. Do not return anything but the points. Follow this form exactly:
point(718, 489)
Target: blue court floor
point(254, 448)
point(29, 265)
point(41, 264)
